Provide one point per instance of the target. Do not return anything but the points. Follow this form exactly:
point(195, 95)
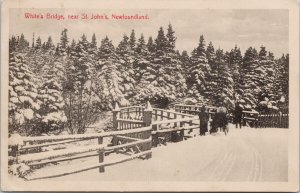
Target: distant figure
point(219, 120)
point(203, 116)
point(238, 112)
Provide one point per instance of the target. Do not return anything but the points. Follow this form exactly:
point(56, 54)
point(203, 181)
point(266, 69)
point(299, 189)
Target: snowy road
point(243, 155)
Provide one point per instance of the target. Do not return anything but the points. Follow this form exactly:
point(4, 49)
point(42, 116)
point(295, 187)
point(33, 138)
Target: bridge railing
point(252, 118)
point(163, 122)
point(32, 152)
point(128, 117)
point(194, 109)
point(162, 114)
point(135, 128)
point(132, 112)
point(273, 120)
point(165, 128)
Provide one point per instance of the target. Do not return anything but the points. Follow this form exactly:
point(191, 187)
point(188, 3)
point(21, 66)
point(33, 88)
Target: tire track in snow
point(217, 167)
point(224, 167)
point(229, 169)
point(251, 173)
point(256, 171)
point(259, 166)
point(256, 168)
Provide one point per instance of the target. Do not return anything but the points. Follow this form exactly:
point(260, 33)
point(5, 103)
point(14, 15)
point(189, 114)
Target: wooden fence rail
point(194, 109)
point(273, 120)
point(161, 114)
point(131, 113)
point(251, 118)
point(41, 157)
point(136, 129)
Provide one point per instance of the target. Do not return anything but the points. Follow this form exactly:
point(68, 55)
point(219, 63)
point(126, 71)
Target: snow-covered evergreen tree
point(132, 40)
point(38, 43)
point(77, 88)
point(22, 44)
point(39, 56)
point(198, 71)
point(91, 79)
point(62, 48)
point(93, 50)
point(163, 81)
point(185, 64)
point(281, 82)
point(150, 45)
point(23, 102)
point(185, 59)
point(268, 65)
point(251, 81)
point(170, 47)
point(12, 44)
point(141, 60)
point(125, 52)
point(108, 87)
point(224, 93)
point(174, 67)
point(234, 59)
point(212, 78)
point(51, 117)
point(73, 45)
point(94, 41)
point(49, 47)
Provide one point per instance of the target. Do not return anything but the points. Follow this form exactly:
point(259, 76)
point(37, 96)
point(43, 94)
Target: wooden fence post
point(15, 141)
point(182, 130)
point(147, 118)
point(176, 108)
point(149, 144)
point(286, 121)
point(15, 152)
point(280, 119)
point(116, 114)
point(190, 124)
point(243, 119)
point(128, 114)
point(101, 155)
point(175, 117)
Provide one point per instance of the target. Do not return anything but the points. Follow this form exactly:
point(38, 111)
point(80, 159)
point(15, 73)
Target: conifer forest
point(65, 85)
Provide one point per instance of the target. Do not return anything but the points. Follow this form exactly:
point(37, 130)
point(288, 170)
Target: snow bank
point(20, 170)
point(15, 139)
point(86, 136)
point(59, 153)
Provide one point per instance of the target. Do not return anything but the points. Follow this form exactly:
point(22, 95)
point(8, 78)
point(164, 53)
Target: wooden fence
point(251, 118)
point(194, 109)
point(164, 123)
point(136, 130)
point(273, 120)
point(254, 119)
point(32, 153)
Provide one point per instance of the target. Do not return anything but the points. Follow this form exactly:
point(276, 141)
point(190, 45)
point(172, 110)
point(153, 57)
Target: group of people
point(219, 120)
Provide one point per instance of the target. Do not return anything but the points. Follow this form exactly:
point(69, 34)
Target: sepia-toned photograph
point(126, 96)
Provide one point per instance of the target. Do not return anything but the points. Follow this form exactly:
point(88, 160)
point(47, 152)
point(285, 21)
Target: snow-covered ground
point(245, 154)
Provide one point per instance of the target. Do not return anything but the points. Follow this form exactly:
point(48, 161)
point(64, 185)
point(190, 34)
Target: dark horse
point(220, 120)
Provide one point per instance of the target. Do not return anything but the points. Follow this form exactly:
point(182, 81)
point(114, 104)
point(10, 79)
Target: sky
point(224, 28)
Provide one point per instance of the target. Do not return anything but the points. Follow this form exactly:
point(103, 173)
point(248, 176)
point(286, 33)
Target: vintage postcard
point(146, 95)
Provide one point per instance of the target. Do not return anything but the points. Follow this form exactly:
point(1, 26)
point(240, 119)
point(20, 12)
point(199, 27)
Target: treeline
point(64, 86)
